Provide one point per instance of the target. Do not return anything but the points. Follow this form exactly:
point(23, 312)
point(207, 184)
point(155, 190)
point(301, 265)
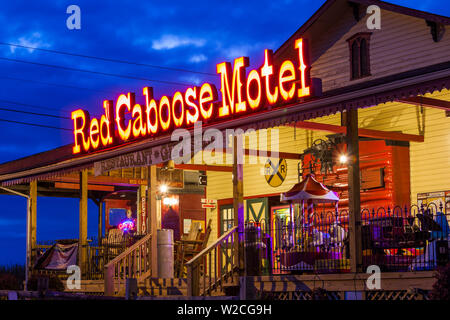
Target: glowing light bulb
point(163, 188)
point(343, 158)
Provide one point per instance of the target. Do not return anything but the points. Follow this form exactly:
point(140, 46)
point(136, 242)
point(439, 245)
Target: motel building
point(329, 161)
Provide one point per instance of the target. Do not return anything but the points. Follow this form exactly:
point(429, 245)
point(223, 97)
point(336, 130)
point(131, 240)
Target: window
point(226, 218)
point(359, 55)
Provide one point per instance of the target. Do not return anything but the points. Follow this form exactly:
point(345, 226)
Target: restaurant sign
point(273, 85)
point(147, 157)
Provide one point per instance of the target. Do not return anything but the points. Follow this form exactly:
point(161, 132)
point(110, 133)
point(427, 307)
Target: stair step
point(178, 287)
point(189, 298)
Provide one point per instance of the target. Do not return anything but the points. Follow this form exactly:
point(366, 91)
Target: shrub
point(441, 288)
point(54, 283)
point(9, 282)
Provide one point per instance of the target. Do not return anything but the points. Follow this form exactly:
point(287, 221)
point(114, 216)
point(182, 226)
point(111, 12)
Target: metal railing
point(396, 240)
point(215, 266)
point(134, 262)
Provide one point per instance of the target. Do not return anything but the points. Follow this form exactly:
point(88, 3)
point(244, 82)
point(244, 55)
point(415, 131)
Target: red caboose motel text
point(241, 94)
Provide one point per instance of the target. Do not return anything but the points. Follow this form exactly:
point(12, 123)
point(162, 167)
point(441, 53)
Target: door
point(258, 211)
point(226, 223)
point(282, 236)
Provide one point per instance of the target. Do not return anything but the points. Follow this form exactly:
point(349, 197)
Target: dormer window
point(359, 55)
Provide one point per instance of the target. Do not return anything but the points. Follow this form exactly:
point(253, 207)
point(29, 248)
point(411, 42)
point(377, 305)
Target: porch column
point(142, 210)
point(351, 120)
point(238, 199)
point(82, 240)
point(100, 220)
point(152, 224)
point(31, 226)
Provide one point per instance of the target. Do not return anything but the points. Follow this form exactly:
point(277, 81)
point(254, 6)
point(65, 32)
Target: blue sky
point(193, 35)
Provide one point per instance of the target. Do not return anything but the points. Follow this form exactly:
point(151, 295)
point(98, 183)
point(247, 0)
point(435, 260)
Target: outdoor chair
point(187, 249)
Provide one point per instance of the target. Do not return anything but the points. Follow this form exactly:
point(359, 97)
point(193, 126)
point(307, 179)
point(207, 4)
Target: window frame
point(222, 220)
point(357, 39)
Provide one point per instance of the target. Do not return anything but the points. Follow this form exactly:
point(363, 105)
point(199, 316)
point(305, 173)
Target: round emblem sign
point(275, 172)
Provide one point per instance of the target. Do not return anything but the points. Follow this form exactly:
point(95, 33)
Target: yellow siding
point(430, 160)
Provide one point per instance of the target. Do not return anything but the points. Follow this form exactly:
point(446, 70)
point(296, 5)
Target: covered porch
point(394, 236)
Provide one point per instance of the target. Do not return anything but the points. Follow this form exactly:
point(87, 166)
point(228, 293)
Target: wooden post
point(100, 220)
point(238, 201)
point(33, 220)
point(82, 239)
point(31, 226)
point(152, 224)
point(354, 190)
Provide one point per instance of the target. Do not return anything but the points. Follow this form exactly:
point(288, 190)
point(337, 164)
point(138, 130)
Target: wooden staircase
point(211, 273)
point(178, 288)
point(135, 262)
point(215, 268)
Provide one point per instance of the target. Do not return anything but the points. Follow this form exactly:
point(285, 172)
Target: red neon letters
point(271, 85)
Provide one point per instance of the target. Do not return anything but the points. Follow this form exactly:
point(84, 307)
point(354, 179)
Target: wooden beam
point(318, 126)
point(279, 155)
point(100, 220)
point(99, 180)
point(238, 201)
point(82, 239)
point(31, 230)
point(389, 135)
point(152, 223)
point(201, 167)
point(76, 186)
point(33, 217)
point(354, 201)
point(427, 102)
point(362, 132)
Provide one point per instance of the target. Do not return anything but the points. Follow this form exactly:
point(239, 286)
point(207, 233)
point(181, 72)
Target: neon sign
point(126, 225)
point(271, 85)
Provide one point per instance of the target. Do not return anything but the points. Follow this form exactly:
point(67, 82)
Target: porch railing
point(215, 266)
point(396, 240)
point(134, 262)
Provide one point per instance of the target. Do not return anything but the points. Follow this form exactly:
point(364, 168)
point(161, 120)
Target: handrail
point(212, 280)
point(212, 246)
point(131, 248)
point(134, 262)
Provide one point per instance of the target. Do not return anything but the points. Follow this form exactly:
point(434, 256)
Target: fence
point(99, 254)
point(397, 239)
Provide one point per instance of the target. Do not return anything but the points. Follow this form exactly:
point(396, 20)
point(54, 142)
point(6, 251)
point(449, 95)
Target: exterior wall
point(429, 160)
point(403, 43)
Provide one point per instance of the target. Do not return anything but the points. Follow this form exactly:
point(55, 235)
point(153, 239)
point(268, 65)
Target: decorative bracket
point(356, 10)
point(437, 30)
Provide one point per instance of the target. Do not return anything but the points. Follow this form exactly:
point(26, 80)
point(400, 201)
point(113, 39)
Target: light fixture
point(170, 201)
point(163, 188)
point(343, 159)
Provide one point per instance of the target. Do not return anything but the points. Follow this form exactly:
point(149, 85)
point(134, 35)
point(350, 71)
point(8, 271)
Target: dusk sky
point(190, 35)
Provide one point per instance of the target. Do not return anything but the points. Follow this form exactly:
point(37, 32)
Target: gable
point(403, 43)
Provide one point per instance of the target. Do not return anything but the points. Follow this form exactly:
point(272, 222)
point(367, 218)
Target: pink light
point(126, 225)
